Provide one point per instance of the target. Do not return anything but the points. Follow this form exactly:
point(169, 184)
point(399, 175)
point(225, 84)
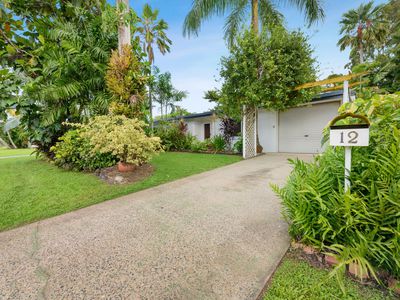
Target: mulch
point(113, 176)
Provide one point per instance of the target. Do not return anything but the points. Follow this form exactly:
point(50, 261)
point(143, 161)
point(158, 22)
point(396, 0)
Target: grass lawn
point(14, 152)
point(32, 189)
point(297, 279)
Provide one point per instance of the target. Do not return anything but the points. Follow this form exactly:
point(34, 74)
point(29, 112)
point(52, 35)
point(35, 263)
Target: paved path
point(216, 235)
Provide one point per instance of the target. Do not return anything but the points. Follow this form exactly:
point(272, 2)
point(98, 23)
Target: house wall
point(196, 126)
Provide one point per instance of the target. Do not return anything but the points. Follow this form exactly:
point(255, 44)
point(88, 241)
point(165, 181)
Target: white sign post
point(353, 135)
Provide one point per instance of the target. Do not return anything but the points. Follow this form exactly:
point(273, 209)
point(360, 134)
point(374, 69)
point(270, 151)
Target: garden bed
point(113, 176)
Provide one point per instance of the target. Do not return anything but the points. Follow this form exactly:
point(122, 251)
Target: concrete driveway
point(216, 235)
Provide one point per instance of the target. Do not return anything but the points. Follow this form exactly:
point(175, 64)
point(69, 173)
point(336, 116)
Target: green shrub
point(217, 144)
point(174, 136)
point(362, 225)
point(122, 137)
point(75, 152)
point(238, 146)
point(199, 146)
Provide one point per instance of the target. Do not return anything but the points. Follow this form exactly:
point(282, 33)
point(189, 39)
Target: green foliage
point(239, 14)
point(297, 279)
point(122, 137)
point(238, 146)
point(217, 143)
point(74, 151)
point(174, 136)
point(165, 94)
point(263, 71)
point(373, 34)
point(152, 31)
point(63, 49)
point(363, 225)
point(126, 80)
point(199, 146)
point(18, 135)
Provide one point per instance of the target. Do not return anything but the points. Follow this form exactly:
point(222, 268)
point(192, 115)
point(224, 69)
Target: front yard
point(32, 189)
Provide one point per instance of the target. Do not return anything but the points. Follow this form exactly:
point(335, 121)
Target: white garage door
point(300, 128)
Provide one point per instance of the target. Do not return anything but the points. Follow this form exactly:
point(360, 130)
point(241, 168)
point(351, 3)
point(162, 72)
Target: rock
point(356, 271)
point(331, 260)
point(118, 179)
point(394, 285)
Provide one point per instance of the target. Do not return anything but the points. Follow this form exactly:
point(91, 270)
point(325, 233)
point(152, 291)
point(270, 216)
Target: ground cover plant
point(361, 226)
point(296, 279)
point(32, 189)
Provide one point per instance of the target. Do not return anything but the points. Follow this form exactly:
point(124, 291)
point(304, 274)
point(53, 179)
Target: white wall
point(196, 126)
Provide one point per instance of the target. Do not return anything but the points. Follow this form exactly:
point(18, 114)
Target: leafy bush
point(362, 225)
point(230, 128)
point(124, 138)
point(217, 143)
point(199, 146)
point(174, 136)
point(238, 146)
point(74, 151)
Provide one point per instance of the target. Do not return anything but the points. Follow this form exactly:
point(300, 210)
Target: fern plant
point(363, 225)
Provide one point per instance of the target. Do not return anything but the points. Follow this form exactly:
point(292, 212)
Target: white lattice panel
point(249, 132)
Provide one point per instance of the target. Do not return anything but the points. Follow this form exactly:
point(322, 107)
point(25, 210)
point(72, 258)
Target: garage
point(298, 129)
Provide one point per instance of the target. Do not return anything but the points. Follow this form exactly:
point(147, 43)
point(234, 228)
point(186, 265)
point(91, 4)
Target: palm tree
point(362, 30)
point(165, 94)
point(262, 11)
point(153, 31)
point(124, 30)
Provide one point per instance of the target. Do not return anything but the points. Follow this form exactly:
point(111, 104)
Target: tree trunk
point(361, 52)
point(254, 15)
point(255, 28)
point(124, 30)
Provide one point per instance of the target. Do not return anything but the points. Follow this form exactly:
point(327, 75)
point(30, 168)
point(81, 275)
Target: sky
point(194, 63)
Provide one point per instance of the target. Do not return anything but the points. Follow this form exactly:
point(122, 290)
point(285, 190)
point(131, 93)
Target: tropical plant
point(262, 11)
point(263, 70)
point(199, 146)
point(217, 143)
point(126, 79)
point(122, 137)
point(165, 94)
point(230, 128)
point(174, 135)
point(63, 47)
point(74, 152)
point(362, 225)
point(152, 31)
point(384, 73)
point(363, 30)
point(238, 145)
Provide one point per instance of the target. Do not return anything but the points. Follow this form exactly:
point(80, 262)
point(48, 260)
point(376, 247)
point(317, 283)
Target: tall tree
point(165, 94)
point(124, 30)
point(152, 31)
point(263, 12)
point(363, 30)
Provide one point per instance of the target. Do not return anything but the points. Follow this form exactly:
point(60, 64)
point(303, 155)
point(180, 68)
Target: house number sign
point(351, 135)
